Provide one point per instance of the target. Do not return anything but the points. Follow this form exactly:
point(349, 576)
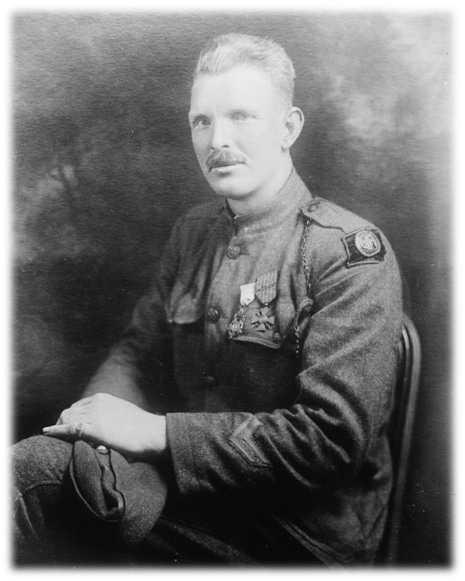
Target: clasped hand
point(104, 419)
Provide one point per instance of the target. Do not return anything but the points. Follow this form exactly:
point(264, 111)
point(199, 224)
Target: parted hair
point(229, 50)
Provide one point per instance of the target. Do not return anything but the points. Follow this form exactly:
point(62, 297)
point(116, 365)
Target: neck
point(257, 200)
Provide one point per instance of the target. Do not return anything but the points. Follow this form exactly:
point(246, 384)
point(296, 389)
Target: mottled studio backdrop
point(103, 165)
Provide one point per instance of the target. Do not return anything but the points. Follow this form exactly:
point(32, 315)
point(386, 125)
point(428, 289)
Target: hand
point(113, 422)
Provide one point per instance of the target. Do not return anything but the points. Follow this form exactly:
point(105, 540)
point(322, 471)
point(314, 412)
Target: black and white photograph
point(232, 269)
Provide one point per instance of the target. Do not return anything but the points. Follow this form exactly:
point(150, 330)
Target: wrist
point(158, 442)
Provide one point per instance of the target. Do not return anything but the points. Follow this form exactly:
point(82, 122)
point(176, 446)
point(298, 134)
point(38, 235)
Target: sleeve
point(139, 367)
point(349, 357)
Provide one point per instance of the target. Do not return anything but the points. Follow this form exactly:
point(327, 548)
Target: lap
point(261, 542)
point(188, 531)
point(195, 531)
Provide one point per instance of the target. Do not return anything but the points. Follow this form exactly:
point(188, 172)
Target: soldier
point(242, 416)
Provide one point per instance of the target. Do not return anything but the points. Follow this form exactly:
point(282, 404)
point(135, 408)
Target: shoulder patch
point(364, 246)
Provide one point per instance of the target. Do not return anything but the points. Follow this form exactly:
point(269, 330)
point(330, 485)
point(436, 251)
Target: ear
point(293, 123)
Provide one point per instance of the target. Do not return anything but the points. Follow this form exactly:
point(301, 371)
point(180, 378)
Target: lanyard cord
point(303, 254)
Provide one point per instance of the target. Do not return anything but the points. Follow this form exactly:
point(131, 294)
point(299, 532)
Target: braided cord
point(303, 254)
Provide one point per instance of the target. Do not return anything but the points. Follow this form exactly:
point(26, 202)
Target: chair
point(400, 435)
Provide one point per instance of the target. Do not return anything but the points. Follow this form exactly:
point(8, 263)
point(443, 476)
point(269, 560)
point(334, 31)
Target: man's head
point(242, 120)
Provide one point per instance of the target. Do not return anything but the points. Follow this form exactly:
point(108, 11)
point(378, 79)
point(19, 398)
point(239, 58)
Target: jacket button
point(233, 252)
point(212, 315)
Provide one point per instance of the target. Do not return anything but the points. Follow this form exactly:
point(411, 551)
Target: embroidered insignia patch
point(367, 243)
point(364, 246)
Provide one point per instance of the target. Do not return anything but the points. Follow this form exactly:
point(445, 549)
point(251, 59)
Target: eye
point(201, 123)
point(241, 116)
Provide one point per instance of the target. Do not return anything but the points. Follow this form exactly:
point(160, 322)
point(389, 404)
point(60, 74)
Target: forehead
point(241, 86)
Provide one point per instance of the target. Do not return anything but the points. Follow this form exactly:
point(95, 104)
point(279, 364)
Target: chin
point(231, 193)
point(228, 190)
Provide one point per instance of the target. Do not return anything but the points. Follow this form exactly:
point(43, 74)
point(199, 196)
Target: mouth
point(222, 161)
point(223, 166)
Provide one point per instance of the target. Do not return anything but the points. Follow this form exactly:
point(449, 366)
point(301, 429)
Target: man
point(255, 378)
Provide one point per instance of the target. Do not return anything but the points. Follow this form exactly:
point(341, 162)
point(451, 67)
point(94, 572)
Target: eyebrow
point(247, 111)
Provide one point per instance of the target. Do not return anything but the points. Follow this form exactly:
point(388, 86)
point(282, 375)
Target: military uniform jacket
point(270, 341)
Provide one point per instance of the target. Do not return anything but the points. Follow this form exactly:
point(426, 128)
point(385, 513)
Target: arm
point(348, 365)
point(140, 361)
point(116, 407)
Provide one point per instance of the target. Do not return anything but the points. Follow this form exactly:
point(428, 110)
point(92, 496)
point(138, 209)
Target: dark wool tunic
point(270, 341)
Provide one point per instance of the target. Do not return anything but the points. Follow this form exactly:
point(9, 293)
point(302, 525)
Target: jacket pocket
point(275, 325)
point(185, 313)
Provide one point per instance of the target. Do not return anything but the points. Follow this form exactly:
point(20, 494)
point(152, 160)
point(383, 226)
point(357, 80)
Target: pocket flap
point(185, 306)
point(267, 326)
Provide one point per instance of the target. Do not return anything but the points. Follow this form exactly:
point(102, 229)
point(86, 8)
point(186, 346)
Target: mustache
point(223, 158)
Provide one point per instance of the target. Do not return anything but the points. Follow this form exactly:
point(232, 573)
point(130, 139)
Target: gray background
point(103, 165)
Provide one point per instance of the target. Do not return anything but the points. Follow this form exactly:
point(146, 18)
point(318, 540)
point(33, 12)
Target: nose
point(220, 135)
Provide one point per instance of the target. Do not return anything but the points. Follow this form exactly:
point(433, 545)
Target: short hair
point(229, 50)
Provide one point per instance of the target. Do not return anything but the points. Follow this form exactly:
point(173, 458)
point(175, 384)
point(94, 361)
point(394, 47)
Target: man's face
point(236, 118)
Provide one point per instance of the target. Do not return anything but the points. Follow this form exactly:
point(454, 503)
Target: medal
point(236, 326)
point(265, 291)
point(263, 320)
point(247, 294)
point(265, 287)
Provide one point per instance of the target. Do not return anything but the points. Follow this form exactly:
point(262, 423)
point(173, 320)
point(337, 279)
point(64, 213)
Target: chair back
point(400, 434)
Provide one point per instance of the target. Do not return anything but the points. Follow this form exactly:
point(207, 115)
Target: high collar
point(292, 195)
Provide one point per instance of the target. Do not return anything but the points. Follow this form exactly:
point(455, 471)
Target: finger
point(70, 431)
point(64, 431)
